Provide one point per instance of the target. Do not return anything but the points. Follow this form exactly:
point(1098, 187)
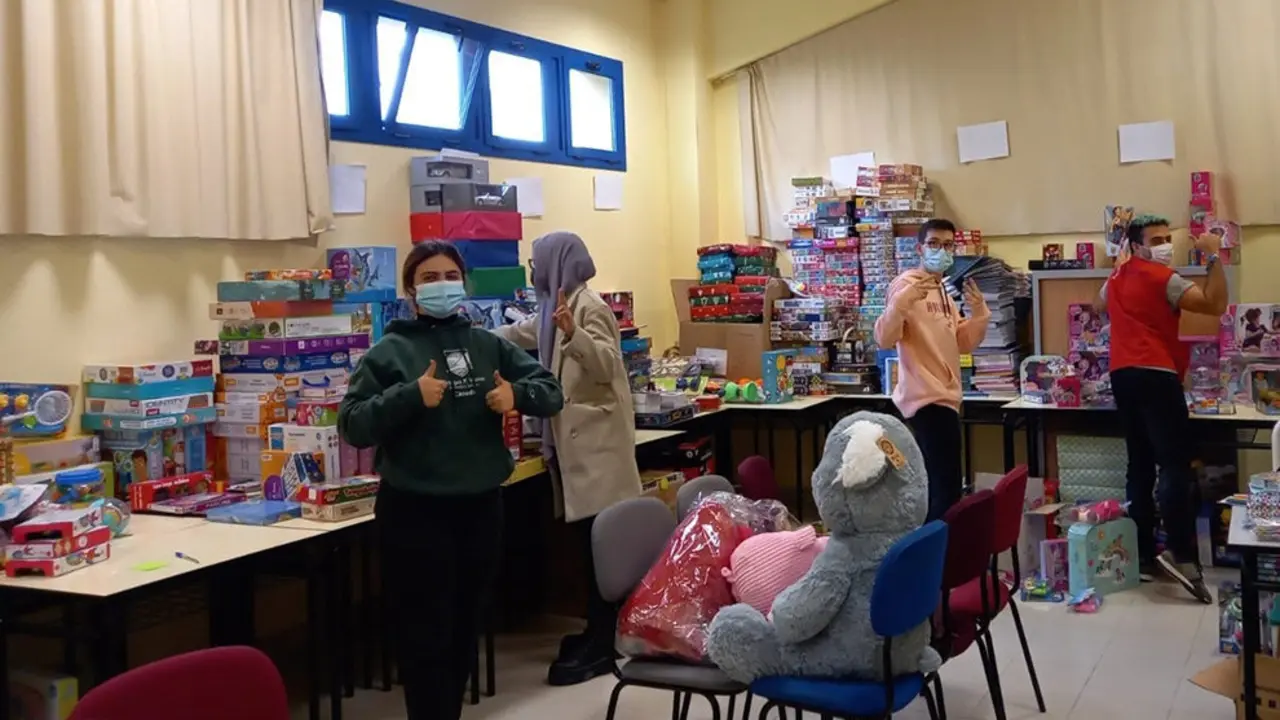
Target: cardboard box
point(297, 346)
point(36, 456)
point(284, 473)
point(340, 511)
point(1226, 678)
point(282, 328)
point(251, 310)
point(41, 696)
point(143, 494)
point(150, 391)
point(147, 373)
point(280, 290)
point(54, 567)
point(745, 343)
point(288, 382)
point(364, 268)
point(312, 439)
point(149, 407)
point(1036, 519)
point(448, 169)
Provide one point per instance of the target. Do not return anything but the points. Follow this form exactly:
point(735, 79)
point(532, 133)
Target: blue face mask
point(936, 260)
point(441, 299)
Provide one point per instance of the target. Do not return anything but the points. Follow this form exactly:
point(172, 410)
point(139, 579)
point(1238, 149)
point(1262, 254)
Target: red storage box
point(426, 226)
point(483, 226)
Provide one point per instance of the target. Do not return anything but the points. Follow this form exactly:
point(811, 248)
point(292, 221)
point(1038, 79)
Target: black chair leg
point(715, 707)
point(676, 714)
point(988, 668)
point(475, 672)
point(746, 707)
point(733, 700)
point(613, 701)
point(933, 707)
point(684, 707)
point(490, 662)
point(942, 701)
point(986, 642)
point(1026, 654)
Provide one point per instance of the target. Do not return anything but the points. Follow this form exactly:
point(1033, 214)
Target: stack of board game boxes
point(451, 199)
point(57, 541)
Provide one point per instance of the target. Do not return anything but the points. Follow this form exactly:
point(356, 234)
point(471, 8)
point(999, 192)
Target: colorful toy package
point(1103, 557)
point(32, 410)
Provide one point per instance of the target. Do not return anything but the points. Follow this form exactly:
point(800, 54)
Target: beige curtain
point(1064, 75)
point(162, 118)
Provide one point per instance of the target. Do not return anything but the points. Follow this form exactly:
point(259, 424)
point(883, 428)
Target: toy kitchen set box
point(745, 343)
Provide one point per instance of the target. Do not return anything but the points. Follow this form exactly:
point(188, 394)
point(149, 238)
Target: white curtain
point(162, 118)
point(1064, 75)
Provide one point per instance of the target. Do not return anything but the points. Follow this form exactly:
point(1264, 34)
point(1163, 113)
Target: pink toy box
point(58, 525)
point(54, 567)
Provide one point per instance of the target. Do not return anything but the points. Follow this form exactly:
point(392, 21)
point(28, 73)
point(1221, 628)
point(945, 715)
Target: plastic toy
point(1096, 513)
point(1087, 602)
point(115, 515)
point(78, 487)
point(1055, 564)
point(28, 410)
point(1037, 590)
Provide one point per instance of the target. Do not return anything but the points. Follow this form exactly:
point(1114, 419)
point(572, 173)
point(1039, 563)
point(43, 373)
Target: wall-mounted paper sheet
point(529, 198)
point(844, 168)
point(346, 189)
point(985, 141)
point(1147, 142)
point(608, 191)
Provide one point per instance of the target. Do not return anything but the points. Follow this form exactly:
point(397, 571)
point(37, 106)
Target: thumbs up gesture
point(432, 389)
point(563, 316)
point(500, 399)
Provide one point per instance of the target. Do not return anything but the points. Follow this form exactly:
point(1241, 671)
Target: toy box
point(1055, 564)
point(54, 567)
point(775, 367)
point(282, 290)
point(58, 524)
point(289, 274)
point(1116, 219)
point(333, 492)
point(152, 454)
point(255, 512)
point(284, 473)
point(364, 268)
point(251, 413)
point(261, 382)
point(1265, 384)
point(269, 309)
point(232, 430)
point(318, 413)
point(374, 317)
point(142, 495)
point(496, 282)
point(513, 433)
point(298, 363)
point(78, 487)
point(50, 549)
point(198, 504)
point(277, 348)
point(282, 328)
point(32, 410)
point(175, 404)
point(147, 373)
point(1103, 557)
point(196, 416)
point(1257, 329)
point(1040, 375)
point(489, 253)
point(150, 391)
point(37, 696)
point(445, 168)
point(1088, 328)
point(340, 511)
point(305, 438)
point(19, 503)
point(34, 456)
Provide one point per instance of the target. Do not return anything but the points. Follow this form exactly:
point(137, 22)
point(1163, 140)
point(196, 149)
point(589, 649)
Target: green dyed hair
point(1140, 223)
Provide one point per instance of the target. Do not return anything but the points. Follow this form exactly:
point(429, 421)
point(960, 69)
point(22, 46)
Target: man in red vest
point(1145, 298)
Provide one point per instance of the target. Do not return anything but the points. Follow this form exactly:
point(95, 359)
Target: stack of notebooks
point(993, 367)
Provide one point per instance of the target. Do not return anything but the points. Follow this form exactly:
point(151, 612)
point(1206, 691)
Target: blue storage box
point(1103, 557)
point(489, 253)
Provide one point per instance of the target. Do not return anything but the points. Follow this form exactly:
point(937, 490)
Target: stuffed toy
point(871, 490)
point(766, 564)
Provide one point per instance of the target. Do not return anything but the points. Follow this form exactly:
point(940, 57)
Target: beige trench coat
point(595, 433)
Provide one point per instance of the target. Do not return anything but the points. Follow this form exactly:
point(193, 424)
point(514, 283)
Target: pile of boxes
point(732, 283)
point(1209, 215)
point(338, 500)
point(807, 320)
point(57, 542)
point(451, 199)
point(153, 419)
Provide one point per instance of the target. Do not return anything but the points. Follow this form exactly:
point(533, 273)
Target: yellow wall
point(67, 302)
point(746, 30)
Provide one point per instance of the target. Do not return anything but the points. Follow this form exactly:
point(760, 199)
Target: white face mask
point(1163, 254)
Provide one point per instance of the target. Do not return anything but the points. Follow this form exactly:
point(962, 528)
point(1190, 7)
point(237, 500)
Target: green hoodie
point(455, 448)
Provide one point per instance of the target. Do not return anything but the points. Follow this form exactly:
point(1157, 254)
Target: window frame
point(364, 123)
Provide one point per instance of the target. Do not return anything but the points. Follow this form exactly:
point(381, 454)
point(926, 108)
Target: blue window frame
point(395, 74)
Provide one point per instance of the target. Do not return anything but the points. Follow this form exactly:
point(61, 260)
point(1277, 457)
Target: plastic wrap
point(669, 612)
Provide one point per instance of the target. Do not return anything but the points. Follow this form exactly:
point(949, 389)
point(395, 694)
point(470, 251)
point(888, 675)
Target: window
point(396, 74)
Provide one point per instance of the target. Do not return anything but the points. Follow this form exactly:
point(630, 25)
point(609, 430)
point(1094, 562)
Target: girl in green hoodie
point(431, 396)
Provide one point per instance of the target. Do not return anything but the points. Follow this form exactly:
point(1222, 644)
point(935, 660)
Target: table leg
point(1252, 632)
point(231, 604)
point(315, 567)
point(110, 652)
point(70, 638)
point(342, 579)
point(366, 603)
point(334, 580)
point(755, 435)
point(966, 459)
point(1010, 427)
point(723, 438)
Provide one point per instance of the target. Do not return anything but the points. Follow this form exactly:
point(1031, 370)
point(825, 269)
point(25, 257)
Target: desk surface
point(1244, 537)
point(1243, 414)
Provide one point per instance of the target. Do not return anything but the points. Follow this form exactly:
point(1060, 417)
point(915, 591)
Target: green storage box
point(496, 282)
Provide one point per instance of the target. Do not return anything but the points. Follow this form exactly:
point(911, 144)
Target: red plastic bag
point(669, 612)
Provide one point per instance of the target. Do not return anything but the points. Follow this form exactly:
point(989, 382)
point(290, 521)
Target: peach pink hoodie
point(930, 336)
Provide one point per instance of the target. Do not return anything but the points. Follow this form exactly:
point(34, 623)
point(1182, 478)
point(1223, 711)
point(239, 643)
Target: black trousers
point(937, 431)
point(1157, 432)
point(439, 557)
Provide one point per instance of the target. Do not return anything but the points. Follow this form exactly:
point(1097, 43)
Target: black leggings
point(937, 431)
point(439, 557)
point(1157, 431)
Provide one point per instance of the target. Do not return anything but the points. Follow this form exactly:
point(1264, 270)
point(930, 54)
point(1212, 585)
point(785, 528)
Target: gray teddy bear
point(871, 490)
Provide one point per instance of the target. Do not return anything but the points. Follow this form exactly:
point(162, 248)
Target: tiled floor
point(1130, 661)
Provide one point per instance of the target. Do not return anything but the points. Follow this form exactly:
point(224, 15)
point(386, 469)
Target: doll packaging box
point(776, 376)
point(1103, 557)
point(1256, 329)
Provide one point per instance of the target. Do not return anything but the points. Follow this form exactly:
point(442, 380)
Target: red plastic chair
point(970, 524)
point(755, 477)
point(215, 684)
point(966, 602)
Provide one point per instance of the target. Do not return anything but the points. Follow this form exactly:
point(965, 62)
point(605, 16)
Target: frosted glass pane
point(515, 97)
point(333, 62)
point(391, 39)
point(591, 111)
point(432, 95)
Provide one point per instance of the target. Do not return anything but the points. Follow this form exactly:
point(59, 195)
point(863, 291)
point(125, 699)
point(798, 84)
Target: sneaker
point(1188, 576)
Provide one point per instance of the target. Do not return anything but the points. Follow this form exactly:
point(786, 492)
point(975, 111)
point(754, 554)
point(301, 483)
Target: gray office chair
point(626, 540)
point(689, 493)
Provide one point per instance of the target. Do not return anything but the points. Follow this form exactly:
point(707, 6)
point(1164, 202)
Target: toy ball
point(115, 515)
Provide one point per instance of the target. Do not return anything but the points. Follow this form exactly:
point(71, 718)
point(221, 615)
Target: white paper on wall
point(844, 168)
point(529, 197)
point(608, 191)
point(1147, 142)
point(985, 141)
point(347, 189)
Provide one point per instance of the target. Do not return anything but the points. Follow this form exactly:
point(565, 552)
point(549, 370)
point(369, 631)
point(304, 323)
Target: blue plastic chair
point(907, 591)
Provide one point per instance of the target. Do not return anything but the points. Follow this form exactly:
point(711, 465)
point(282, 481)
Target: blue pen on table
point(184, 556)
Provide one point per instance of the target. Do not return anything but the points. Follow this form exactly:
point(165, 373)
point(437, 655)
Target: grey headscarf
point(560, 262)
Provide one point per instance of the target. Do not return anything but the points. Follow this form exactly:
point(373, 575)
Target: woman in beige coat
point(590, 445)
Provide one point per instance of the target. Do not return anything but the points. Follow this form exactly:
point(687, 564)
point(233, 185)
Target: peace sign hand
point(501, 399)
point(431, 388)
point(563, 316)
point(973, 295)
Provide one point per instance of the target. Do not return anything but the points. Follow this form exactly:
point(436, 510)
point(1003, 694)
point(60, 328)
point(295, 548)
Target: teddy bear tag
point(892, 452)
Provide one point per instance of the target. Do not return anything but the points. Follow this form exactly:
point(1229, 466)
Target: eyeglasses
point(938, 244)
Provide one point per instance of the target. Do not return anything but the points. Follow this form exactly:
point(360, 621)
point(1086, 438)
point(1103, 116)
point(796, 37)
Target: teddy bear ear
point(863, 459)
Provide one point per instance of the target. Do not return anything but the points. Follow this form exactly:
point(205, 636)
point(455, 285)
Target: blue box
point(199, 416)
point(489, 253)
point(281, 290)
point(256, 512)
point(373, 317)
point(364, 268)
point(335, 360)
point(775, 376)
point(151, 391)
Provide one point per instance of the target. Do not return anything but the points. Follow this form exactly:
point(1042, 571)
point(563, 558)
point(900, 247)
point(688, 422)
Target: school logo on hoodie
point(458, 362)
